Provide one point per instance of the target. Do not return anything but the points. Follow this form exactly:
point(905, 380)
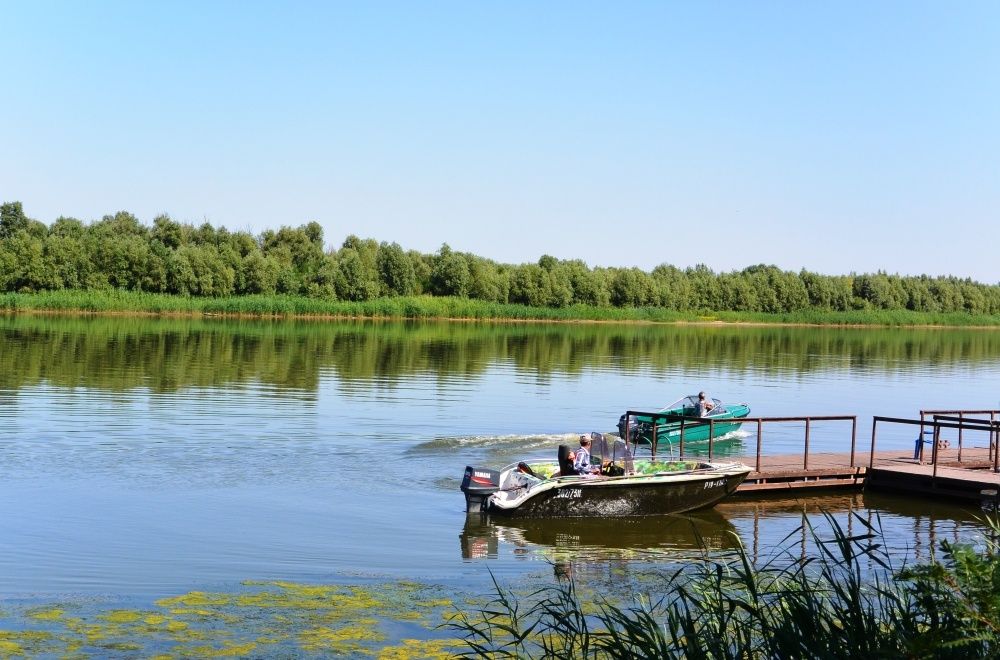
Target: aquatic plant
point(263, 619)
point(845, 601)
point(848, 601)
point(114, 301)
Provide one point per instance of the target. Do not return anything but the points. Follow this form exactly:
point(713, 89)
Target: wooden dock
point(789, 472)
point(972, 478)
point(959, 454)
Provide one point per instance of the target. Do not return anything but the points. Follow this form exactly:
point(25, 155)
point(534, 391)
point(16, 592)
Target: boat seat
point(565, 464)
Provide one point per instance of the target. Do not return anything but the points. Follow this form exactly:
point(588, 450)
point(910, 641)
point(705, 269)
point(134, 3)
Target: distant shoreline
point(431, 308)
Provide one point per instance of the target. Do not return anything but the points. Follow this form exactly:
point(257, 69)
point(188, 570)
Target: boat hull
point(643, 495)
point(692, 433)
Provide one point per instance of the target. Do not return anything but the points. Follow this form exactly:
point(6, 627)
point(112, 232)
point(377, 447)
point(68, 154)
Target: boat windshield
point(686, 402)
point(689, 404)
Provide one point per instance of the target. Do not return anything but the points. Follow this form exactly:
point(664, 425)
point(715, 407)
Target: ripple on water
point(142, 456)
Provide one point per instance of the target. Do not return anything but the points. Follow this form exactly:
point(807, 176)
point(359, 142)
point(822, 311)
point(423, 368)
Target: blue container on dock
point(916, 443)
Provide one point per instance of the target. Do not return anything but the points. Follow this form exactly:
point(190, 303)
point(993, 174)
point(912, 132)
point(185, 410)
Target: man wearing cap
point(582, 461)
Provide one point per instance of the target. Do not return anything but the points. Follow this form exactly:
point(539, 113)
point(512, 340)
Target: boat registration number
point(715, 483)
point(569, 492)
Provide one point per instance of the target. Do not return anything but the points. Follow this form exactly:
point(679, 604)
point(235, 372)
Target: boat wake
point(525, 444)
point(738, 434)
point(495, 443)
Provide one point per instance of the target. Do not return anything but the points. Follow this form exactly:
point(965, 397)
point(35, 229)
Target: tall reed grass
point(848, 601)
point(433, 307)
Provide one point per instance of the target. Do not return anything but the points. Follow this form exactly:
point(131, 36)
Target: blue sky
point(837, 137)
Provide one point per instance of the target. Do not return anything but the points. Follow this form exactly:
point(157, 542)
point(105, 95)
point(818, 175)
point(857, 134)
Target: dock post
point(711, 437)
point(920, 456)
point(960, 425)
point(992, 440)
point(760, 426)
point(994, 437)
point(805, 455)
point(934, 452)
point(871, 456)
point(854, 437)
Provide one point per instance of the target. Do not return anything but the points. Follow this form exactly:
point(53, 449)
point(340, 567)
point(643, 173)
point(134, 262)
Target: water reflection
point(596, 538)
point(926, 522)
point(909, 528)
point(165, 355)
point(608, 551)
point(145, 456)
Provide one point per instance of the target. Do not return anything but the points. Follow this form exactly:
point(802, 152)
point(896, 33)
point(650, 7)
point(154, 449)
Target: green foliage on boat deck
point(847, 602)
point(653, 467)
point(291, 271)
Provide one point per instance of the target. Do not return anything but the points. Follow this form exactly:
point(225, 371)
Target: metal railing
point(687, 422)
point(961, 417)
point(938, 422)
point(991, 427)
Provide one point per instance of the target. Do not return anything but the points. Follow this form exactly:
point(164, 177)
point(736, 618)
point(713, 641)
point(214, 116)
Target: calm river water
point(147, 458)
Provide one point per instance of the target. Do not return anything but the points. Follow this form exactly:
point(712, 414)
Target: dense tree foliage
point(119, 252)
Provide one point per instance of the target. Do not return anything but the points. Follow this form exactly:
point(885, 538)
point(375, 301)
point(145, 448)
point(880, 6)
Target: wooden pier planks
point(891, 470)
point(970, 479)
point(787, 473)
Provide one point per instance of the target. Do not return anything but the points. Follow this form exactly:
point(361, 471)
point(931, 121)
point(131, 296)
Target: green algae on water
point(392, 620)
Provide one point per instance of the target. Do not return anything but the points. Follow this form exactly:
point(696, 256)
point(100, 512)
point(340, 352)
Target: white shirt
point(582, 462)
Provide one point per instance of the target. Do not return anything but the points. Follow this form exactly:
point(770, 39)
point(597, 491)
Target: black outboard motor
point(635, 427)
point(478, 484)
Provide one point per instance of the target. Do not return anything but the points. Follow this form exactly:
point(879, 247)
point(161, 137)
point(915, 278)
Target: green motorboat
point(723, 418)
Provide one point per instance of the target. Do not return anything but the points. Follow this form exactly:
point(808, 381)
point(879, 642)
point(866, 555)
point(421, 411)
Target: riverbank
point(452, 308)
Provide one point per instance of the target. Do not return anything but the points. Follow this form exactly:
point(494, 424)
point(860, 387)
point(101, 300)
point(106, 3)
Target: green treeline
point(120, 253)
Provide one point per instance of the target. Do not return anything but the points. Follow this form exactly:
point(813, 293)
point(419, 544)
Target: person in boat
point(524, 468)
point(582, 461)
point(566, 459)
point(705, 405)
point(529, 475)
point(525, 477)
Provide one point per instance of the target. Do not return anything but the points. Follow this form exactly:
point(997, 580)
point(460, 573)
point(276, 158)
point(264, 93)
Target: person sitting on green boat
point(705, 405)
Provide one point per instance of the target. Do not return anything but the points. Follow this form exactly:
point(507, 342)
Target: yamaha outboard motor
point(478, 484)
